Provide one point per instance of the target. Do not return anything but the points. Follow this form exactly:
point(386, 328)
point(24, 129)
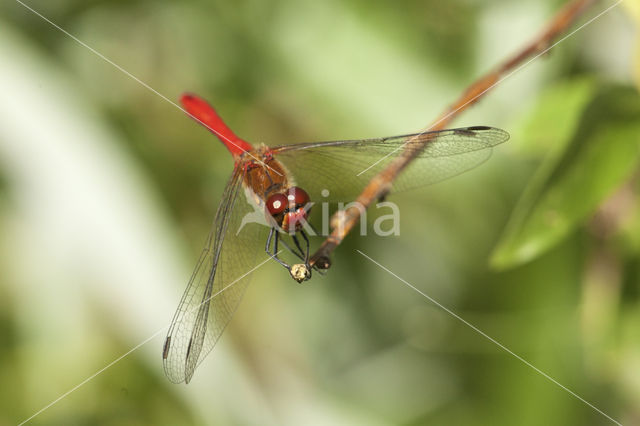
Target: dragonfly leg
point(313, 228)
point(297, 253)
point(306, 240)
point(297, 243)
point(266, 247)
point(274, 255)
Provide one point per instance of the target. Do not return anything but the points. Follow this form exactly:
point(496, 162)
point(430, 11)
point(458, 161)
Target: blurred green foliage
point(538, 248)
point(575, 179)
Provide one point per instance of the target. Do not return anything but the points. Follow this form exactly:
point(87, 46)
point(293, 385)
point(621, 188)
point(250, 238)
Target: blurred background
point(107, 193)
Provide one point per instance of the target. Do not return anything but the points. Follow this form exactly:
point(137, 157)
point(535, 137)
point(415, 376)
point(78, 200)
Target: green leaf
point(601, 155)
point(556, 116)
point(633, 11)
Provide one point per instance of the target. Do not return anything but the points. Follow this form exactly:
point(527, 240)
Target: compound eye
point(276, 204)
point(297, 196)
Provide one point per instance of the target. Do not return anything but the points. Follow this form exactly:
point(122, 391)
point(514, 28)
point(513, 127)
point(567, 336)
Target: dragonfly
point(274, 186)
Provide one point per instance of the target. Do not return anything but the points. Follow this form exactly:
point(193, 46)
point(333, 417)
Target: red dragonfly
point(269, 182)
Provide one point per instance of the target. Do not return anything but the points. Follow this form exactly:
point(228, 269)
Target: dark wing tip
point(498, 136)
point(189, 347)
point(165, 348)
point(466, 131)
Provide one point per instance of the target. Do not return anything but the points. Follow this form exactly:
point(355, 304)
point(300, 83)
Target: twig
point(344, 220)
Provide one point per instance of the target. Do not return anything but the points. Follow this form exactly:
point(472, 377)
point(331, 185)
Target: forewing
point(345, 167)
point(216, 285)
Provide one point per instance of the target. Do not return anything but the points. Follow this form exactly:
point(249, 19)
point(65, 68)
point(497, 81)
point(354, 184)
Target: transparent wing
point(345, 167)
point(216, 285)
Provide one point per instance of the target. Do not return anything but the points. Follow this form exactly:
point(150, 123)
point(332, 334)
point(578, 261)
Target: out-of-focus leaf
point(602, 153)
point(550, 127)
point(556, 116)
point(633, 10)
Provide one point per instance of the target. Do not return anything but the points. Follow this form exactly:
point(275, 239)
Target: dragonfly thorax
point(263, 174)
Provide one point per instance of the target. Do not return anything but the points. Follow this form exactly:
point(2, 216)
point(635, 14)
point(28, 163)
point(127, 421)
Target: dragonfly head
point(290, 209)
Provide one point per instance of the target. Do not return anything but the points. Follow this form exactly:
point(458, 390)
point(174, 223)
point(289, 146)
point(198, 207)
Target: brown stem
point(344, 221)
